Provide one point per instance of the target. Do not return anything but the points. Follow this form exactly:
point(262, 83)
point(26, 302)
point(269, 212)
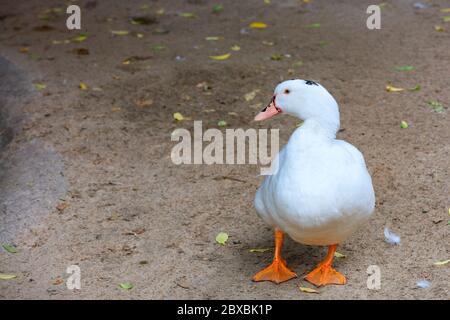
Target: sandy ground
point(133, 216)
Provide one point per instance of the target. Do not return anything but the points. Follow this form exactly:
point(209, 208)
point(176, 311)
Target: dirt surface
point(130, 215)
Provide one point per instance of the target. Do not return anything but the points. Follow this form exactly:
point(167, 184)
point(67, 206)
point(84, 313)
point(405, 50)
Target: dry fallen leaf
point(260, 250)
point(24, 49)
point(62, 206)
point(144, 103)
point(339, 255)
point(258, 25)
point(58, 281)
point(83, 86)
point(221, 57)
point(178, 116)
point(442, 263)
point(251, 95)
point(308, 290)
point(213, 38)
point(390, 88)
point(120, 32)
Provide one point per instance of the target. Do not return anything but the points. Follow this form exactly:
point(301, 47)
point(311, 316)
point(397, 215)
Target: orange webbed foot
point(277, 272)
point(323, 275)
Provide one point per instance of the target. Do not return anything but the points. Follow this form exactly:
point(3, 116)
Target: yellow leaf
point(439, 28)
point(160, 12)
point(268, 43)
point(442, 263)
point(120, 32)
point(178, 116)
point(308, 290)
point(267, 1)
point(140, 35)
point(4, 276)
point(24, 50)
point(235, 48)
point(83, 86)
point(390, 88)
point(258, 25)
point(221, 57)
point(116, 109)
point(339, 255)
point(445, 10)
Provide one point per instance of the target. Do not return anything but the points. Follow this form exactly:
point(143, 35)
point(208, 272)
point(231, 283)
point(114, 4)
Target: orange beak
point(268, 112)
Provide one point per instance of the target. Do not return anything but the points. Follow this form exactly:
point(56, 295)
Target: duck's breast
point(320, 194)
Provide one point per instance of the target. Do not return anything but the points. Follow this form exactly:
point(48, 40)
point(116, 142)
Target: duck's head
point(304, 99)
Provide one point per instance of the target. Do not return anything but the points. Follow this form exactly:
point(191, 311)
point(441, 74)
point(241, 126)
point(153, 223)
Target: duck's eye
point(287, 91)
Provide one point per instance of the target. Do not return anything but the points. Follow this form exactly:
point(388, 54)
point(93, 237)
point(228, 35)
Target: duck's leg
point(277, 272)
point(324, 274)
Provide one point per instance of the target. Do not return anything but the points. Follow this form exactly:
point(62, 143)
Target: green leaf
point(158, 47)
point(40, 86)
point(323, 43)
point(142, 20)
point(313, 26)
point(4, 276)
point(436, 106)
point(222, 123)
point(276, 57)
point(217, 8)
point(404, 125)
point(446, 18)
point(339, 255)
point(405, 68)
point(126, 285)
point(80, 38)
point(222, 238)
point(187, 15)
point(9, 248)
point(416, 88)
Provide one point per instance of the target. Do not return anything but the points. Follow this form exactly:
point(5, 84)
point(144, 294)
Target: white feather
point(423, 284)
point(391, 237)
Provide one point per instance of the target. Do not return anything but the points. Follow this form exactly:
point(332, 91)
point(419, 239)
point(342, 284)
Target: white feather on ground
point(423, 284)
point(391, 237)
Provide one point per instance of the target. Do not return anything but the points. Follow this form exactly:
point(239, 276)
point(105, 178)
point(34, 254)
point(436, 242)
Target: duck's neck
point(318, 129)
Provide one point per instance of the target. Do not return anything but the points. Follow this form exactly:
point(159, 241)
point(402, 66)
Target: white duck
point(321, 192)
